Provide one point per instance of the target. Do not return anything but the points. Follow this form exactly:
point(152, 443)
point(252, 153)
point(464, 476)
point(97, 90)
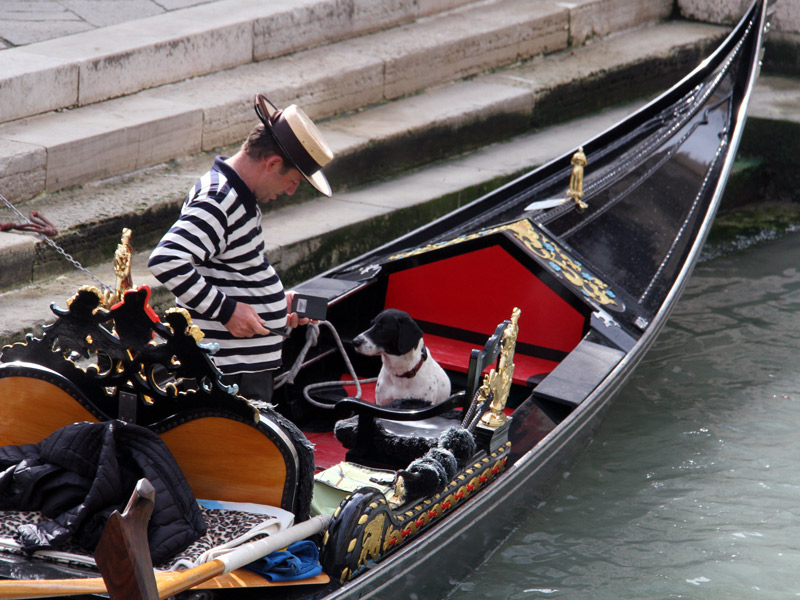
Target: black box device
point(312, 307)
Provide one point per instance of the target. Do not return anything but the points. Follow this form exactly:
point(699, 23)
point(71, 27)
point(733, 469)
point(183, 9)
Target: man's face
point(276, 179)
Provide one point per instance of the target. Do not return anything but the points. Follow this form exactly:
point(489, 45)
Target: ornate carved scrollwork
point(125, 351)
point(366, 527)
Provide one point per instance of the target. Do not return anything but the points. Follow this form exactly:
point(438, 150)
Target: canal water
point(691, 488)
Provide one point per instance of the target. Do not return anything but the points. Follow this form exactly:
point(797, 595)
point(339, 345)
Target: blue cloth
point(299, 561)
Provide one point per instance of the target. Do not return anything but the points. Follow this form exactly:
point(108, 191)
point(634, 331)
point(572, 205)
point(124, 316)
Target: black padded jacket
point(81, 473)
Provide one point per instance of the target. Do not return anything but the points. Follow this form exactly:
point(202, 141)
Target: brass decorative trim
point(575, 192)
point(123, 260)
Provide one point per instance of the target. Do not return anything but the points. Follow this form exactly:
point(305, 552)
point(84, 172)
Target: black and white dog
point(408, 371)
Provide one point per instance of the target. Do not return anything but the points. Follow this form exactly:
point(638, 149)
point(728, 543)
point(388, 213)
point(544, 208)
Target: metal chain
point(13, 208)
point(58, 248)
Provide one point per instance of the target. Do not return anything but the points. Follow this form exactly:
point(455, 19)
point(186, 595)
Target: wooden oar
point(171, 582)
point(123, 552)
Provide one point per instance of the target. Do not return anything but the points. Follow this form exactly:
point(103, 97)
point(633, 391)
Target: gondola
point(538, 300)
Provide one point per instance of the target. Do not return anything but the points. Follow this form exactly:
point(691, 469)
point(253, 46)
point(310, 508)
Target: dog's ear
point(408, 335)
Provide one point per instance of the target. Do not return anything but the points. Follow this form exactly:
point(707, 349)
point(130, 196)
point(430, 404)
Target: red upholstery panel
point(460, 292)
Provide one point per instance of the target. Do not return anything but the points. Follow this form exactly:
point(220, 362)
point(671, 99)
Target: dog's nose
point(359, 340)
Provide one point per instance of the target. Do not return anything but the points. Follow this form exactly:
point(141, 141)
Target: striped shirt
point(212, 257)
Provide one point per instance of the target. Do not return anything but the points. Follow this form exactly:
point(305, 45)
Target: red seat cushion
point(454, 355)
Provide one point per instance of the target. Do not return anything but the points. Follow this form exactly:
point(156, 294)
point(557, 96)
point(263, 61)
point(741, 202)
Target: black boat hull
point(596, 284)
point(461, 541)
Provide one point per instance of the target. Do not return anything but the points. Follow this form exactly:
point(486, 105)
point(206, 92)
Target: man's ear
point(274, 163)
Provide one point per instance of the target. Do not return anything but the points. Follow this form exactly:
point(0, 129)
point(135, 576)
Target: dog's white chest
point(404, 378)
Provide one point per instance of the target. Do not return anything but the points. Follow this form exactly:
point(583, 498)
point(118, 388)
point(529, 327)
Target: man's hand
point(292, 319)
point(245, 322)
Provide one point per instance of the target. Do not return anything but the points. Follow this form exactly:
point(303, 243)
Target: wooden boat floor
point(327, 449)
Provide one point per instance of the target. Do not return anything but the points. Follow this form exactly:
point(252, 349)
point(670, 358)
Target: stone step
point(101, 137)
point(376, 142)
point(139, 54)
point(306, 238)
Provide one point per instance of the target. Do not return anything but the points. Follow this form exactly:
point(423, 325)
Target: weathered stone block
point(32, 84)
point(326, 83)
point(783, 53)
point(129, 57)
point(613, 70)
point(146, 64)
point(228, 123)
point(787, 17)
point(22, 170)
point(453, 119)
point(469, 42)
point(430, 7)
point(311, 24)
point(592, 18)
point(321, 82)
point(110, 138)
point(545, 32)
point(18, 252)
point(724, 12)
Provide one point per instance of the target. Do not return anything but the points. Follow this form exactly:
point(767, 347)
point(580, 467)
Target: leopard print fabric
point(223, 526)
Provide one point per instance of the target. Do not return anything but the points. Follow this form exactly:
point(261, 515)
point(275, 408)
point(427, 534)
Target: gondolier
point(213, 258)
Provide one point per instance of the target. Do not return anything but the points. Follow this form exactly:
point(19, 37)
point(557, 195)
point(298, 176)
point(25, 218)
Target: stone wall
point(783, 44)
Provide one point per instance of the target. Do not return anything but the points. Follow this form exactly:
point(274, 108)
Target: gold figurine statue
point(122, 263)
point(576, 179)
point(123, 257)
point(500, 381)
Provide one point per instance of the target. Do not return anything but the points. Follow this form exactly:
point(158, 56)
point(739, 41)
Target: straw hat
point(299, 139)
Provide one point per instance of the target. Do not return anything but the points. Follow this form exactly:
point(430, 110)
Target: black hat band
point(291, 146)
